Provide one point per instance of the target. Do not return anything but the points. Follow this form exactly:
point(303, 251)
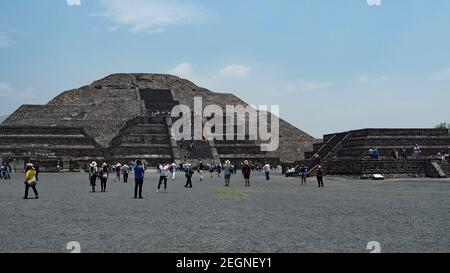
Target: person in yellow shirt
point(30, 180)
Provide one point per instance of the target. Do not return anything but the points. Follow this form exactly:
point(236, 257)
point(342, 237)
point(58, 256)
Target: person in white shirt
point(163, 173)
point(174, 170)
point(267, 171)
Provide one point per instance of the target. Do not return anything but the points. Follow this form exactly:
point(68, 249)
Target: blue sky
point(331, 65)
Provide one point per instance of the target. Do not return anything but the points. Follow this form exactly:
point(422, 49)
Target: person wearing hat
point(118, 168)
point(103, 176)
point(93, 174)
point(139, 172)
point(189, 172)
point(246, 170)
point(30, 180)
point(319, 175)
point(227, 170)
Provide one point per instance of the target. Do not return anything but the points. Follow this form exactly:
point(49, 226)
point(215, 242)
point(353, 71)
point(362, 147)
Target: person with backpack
point(30, 181)
point(319, 175)
point(139, 172)
point(189, 172)
point(125, 171)
point(103, 176)
point(227, 170)
point(163, 173)
point(93, 174)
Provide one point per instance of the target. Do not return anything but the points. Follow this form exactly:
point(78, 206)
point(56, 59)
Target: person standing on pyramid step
point(139, 172)
point(246, 170)
point(227, 170)
point(267, 171)
point(319, 175)
point(163, 173)
point(125, 172)
point(30, 180)
point(93, 174)
point(174, 170)
point(189, 172)
point(103, 176)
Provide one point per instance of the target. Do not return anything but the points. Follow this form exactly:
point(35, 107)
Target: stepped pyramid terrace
point(125, 117)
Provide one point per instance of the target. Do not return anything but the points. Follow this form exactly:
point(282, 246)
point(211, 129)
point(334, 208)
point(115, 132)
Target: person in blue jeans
point(139, 179)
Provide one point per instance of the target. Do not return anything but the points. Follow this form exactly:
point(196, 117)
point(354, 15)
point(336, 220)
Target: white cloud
point(307, 86)
point(370, 79)
point(374, 2)
point(441, 75)
point(235, 71)
point(150, 15)
point(183, 70)
point(5, 41)
point(5, 88)
point(73, 2)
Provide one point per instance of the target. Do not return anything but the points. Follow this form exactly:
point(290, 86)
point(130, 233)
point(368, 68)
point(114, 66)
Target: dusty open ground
point(280, 216)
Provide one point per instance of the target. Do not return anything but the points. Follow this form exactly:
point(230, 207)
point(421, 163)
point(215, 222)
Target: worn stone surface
point(406, 215)
point(104, 107)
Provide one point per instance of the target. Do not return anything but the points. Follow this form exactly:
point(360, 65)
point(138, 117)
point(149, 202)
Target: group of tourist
point(400, 153)
point(165, 170)
point(102, 174)
point(444, 157)
point(5, 171)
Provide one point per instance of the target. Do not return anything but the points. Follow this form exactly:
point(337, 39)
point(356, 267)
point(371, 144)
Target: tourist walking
point(30, 181)
point(125, 172)
point(246, 170)
point(227, 170)
point(103, 176)
point(267, 171)
point(139, 172)
point(189, 172)
point(7, 173)
point(93, 174)
point(319, 175)
point(163, 173)
point(303, 174)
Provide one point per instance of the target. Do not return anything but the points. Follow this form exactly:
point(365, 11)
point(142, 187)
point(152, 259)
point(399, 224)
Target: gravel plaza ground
point(403, 215)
